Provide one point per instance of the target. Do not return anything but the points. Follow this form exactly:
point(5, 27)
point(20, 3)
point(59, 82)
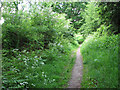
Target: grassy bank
point(100, 59)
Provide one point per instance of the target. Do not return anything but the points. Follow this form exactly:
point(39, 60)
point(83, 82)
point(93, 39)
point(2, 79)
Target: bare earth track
point(76, 77)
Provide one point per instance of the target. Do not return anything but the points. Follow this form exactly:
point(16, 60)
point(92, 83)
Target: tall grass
point(100, 60)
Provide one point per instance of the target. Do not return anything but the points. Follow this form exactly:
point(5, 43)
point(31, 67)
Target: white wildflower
point(26, 76)
point(21, 83)
point(25, 82)
point(42, 63)
point(58, 44)
point(24, 59)
point(53, 80)
point(36, 60)
point(35, 56)
point(16, 49)
point(33, 84)
point(33, 67)
point(45, 76)
point(96, 60)
point(24, 51)
point(27, 52)
point(42, 72)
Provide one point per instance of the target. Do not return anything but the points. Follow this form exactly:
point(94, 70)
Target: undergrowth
point(100, 60)
point(37, 69)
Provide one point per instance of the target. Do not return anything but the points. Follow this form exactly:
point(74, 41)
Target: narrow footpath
point(77, 73)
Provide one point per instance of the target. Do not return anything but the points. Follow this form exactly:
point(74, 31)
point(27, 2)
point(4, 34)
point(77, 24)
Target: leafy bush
point(39, 29)
point(14, 34)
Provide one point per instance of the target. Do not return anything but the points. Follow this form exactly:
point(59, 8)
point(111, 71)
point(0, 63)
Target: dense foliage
point(100, 49)
point(91, 20)
point(39, 29)
point(39, 37)
point(73, 10)
point(35, 48)
point(101, 63)
point(109, 15)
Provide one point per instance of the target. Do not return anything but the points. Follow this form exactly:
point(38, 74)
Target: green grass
point(50, 68)
point(100, 61)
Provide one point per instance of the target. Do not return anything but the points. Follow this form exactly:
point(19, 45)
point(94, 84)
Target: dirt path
point(76, 77)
